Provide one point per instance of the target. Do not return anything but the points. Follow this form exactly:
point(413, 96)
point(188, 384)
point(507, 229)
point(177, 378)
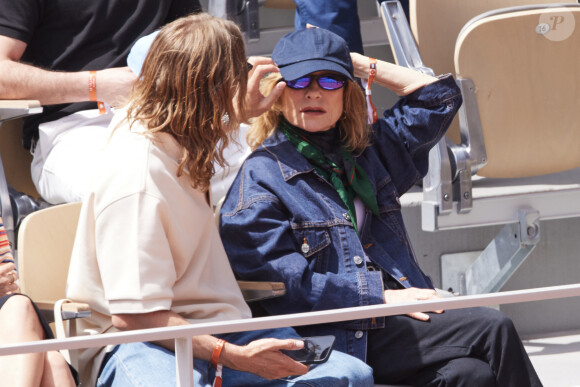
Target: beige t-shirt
point(147, 241)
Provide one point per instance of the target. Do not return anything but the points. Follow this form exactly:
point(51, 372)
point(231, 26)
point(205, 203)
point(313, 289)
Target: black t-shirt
point(77, 35)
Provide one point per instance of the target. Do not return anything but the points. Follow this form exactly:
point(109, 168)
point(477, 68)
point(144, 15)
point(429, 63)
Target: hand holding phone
point(316, 350)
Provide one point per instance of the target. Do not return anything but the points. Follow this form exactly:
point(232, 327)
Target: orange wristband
point(93, 92)
point(215, 361)
point(373, 116)
point(217, 350)
point(92, 86)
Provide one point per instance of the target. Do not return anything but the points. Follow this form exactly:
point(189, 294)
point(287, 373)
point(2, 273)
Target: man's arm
point(260, 357)
point(23, 81)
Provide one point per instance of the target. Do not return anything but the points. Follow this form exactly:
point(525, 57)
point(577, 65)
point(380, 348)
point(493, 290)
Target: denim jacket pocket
point(311, 240)
point(311, 243)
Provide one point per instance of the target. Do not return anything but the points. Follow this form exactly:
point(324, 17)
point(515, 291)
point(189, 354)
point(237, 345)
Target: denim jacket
point(281, 221)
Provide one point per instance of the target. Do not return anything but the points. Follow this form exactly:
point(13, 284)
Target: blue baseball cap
point(305, 51)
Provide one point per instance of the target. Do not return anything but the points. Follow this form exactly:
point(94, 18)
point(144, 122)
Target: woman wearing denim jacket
point(316, 205)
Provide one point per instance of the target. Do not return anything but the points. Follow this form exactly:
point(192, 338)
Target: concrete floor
point(556, 358)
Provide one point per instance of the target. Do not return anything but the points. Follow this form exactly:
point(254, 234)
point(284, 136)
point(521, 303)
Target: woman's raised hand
point(256, 102)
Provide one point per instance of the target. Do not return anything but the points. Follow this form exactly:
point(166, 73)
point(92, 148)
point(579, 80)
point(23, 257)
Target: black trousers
point(475, 347)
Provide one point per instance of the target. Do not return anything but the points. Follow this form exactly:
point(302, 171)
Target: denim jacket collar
point(290, 161)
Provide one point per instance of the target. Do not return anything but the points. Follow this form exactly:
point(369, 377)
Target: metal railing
point(182, 334)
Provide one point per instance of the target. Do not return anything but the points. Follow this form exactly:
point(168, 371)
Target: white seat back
point(527, 88)
point(436, 25)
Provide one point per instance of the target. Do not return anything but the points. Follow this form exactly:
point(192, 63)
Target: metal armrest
point(73, 310)
point(261, 290)
point(69, 310)
point(456, 170)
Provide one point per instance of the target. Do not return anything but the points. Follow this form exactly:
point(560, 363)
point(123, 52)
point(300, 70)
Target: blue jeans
point(338, 16)
point(146, 364)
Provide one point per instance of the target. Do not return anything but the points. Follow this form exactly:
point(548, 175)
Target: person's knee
point(18, 317)
point(359, 374)
point(504, 322)
point(19, 305)
point(499, 322)
point(143, 364)
point(487, 319)
point(349, 370)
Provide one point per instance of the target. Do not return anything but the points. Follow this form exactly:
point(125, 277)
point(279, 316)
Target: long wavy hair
point(353, 122)
point(193, 85)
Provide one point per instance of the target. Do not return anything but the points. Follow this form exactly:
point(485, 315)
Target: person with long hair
point(147, 251)
point(21, 321)
point(316, 205)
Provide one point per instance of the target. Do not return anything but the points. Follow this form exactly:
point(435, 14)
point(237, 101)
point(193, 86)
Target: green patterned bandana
point(349, 181)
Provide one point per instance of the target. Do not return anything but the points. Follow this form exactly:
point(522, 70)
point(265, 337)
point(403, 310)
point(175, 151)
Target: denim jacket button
point(359, 334)
point(357, 260)
point(346, 216)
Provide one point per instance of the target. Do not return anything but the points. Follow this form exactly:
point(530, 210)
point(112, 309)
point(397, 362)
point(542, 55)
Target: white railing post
point(184, 361)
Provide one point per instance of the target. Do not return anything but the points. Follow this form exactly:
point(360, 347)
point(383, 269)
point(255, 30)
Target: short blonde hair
point(192, 84)
point(353, 122)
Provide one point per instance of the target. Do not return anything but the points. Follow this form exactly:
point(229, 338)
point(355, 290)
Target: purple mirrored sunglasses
point(325, 81)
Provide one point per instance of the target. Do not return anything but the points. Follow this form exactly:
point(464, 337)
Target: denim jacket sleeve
point(412, 127)
point(260, 234)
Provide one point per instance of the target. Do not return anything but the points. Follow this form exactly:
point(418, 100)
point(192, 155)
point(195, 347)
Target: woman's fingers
point(256, 102)
point(412, 294)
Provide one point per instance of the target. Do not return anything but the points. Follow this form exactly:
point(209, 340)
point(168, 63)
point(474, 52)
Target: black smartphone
point(316, 350)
